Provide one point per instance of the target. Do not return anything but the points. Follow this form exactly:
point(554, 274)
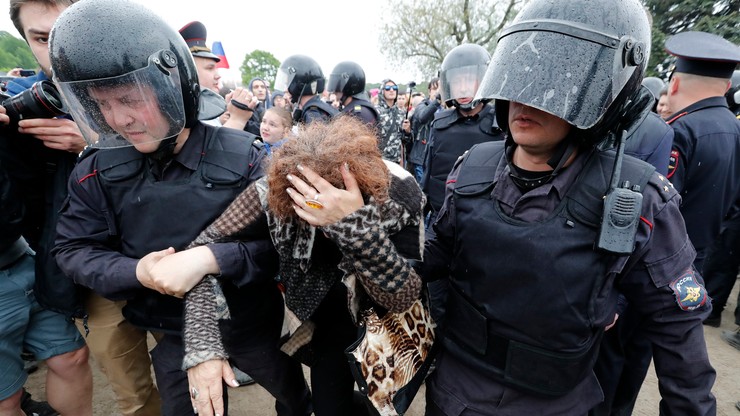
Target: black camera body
point(42, 100)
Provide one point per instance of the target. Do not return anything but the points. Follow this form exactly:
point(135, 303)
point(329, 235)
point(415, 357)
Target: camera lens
point(42, 100)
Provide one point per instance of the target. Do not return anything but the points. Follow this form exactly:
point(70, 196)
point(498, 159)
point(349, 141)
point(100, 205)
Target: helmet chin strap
point(466, 107)
point(527, 180)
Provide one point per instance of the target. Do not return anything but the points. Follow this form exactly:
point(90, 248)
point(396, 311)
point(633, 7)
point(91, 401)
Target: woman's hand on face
point(320, 203)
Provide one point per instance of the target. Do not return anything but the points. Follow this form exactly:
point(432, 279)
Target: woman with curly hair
point(344, 223)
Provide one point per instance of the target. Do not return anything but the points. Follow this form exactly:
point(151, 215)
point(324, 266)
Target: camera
point(42, 100)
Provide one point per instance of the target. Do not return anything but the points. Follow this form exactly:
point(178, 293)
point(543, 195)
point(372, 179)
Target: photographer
point(421, 122)
point(36, 155)
point(37, 152)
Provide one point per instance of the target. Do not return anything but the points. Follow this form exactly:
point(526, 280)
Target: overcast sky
point(283, 28)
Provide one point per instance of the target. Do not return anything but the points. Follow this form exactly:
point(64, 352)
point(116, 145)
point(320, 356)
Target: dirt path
point(255, 401)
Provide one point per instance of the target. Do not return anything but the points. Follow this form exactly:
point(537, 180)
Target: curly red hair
point(324, 147)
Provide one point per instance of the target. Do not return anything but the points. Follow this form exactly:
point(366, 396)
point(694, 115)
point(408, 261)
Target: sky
point(283, 28)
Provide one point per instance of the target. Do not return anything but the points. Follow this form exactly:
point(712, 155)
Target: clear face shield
point(461, 82)
point(284, 77)
point(134, 109)
point(571, 72)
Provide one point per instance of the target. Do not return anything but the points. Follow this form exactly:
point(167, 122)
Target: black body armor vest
point(527, 318)
point(150, 214)
point(450, 143)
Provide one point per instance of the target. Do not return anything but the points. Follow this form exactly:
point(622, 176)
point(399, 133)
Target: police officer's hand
point(175, 274)
point(56, 133)
point(4, 119)
point(206, 390)
point(320, 203)
point(146, 264)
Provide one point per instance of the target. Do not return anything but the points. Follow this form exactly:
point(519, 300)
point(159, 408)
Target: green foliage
point(259, 64)
point(15, 53)
point(721, 17)
point(419, 34)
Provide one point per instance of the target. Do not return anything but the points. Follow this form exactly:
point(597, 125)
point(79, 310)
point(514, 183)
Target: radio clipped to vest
point(622, 208)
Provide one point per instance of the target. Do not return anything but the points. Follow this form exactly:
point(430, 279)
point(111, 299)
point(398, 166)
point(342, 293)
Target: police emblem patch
point(672, 163)
point(689, 293)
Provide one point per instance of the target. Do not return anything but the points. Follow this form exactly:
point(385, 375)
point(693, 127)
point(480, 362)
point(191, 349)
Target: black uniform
point(316, 110)
point(705, 167)
point(124, 205)
point(705, 160)
point(451, 135)
point(501, 355)
point(362, 109)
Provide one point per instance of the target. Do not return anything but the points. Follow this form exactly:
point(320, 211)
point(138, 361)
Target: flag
point(218, 50)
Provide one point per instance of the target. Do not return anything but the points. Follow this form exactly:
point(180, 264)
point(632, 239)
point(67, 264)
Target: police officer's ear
point(673, 84)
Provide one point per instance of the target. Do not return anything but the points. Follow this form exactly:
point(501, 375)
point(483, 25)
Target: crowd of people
point(244, 230)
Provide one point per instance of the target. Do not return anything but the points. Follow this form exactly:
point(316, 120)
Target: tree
point(421, 33)
point(721, 17)
point(15, 53)
point(259, 64)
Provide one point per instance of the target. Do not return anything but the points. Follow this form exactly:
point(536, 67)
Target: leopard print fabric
point(392, 351)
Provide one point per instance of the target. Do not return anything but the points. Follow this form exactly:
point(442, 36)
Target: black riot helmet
point(461, 74)
point(655, 85)
point(580, 60)
point(300, 75)
point(348, 78)
point(134, 49)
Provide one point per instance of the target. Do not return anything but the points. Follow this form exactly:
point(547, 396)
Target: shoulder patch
point(689, 293)
point(673, 162)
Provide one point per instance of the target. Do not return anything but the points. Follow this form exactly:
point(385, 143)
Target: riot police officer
point(161, 177)
point(302, 77)
point(347, 82)
point(466, 122)
point(534, 271)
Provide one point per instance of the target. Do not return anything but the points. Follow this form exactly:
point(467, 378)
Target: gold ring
point(314, 203)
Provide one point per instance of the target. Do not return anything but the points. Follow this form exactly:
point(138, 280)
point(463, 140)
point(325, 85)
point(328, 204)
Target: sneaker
point(33, 408)
point(732, 337)
point(713, 321)
point(241, 377)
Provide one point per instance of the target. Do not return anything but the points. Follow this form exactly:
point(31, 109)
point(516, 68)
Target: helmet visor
point(284, 77)
point(461, 82)
point(136, 108)
point(568, 75)
point(337, 81)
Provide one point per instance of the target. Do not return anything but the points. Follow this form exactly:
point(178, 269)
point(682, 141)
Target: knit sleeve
point(376, 242)
point(238, 216)
point(205, 304)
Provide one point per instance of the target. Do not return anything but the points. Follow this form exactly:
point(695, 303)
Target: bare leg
point(69, 383)
point(12, 405)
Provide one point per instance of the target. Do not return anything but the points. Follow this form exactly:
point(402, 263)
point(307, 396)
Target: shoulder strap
point(586, 201)
point(478, 168)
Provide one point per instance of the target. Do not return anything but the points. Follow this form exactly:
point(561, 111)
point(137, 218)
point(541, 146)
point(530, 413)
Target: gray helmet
point(655, 85)
point(461, 73)
point(572, 59)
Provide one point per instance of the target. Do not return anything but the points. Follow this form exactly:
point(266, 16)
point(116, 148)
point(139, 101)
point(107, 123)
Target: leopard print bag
point(392, 357)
